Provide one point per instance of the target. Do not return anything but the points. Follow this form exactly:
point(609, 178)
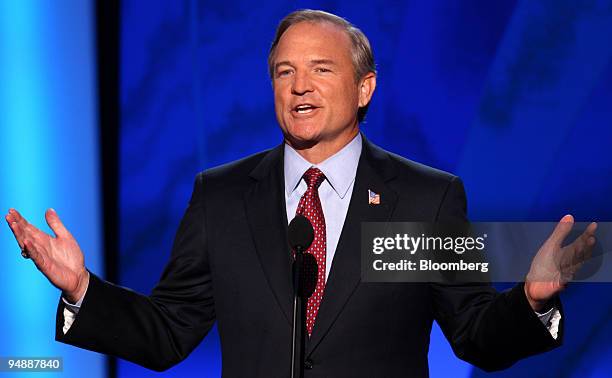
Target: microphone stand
point(298, 335)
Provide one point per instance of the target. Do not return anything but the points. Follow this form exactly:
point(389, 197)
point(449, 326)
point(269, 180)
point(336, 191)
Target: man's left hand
point(555, 265)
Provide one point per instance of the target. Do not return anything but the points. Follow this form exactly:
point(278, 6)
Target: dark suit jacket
point(230, 263)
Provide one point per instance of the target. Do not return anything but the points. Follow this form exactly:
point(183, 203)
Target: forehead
point(310, 39)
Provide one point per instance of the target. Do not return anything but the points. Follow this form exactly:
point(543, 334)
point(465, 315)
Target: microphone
point(300, 233)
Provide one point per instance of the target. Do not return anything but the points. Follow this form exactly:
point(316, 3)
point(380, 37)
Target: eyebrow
point(283, 63)
point(322, 61)
point(313, 62)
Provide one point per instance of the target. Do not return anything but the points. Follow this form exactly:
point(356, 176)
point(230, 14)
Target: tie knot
point(314, 177)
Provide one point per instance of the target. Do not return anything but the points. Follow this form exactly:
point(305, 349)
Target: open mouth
point(304, 108)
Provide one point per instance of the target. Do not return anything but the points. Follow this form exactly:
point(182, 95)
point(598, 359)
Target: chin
point(303, 130)
point(300, 138)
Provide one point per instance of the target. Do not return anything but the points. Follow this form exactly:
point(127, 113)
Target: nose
point(301, 84)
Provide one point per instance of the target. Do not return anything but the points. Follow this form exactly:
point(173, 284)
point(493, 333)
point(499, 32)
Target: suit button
point(308, 364)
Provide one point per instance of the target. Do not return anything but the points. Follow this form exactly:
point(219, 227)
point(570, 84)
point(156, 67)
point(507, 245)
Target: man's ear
point(367, 85)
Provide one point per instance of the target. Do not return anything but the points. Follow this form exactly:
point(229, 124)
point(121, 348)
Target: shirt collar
point(339, 169)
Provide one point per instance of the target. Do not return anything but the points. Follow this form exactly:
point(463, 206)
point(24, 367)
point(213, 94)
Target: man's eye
point(322, 69)
point(283, 73)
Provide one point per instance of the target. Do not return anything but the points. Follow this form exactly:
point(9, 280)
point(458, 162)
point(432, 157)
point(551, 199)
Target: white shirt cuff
point(551, 320)
point(71, 311)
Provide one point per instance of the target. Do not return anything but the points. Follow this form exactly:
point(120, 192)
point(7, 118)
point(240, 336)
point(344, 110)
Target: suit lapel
point(267, 217)
point(373, 171)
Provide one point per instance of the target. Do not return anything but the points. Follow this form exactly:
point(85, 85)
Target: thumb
point(562, 229)
point(56, 224)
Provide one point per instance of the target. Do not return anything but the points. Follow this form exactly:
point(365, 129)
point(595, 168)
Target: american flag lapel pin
point(373, 198)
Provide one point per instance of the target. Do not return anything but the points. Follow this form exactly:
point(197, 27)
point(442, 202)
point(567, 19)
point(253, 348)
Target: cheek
point(279, 102)
point(348, 101)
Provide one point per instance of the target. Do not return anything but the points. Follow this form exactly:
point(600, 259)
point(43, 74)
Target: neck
point(320, 151)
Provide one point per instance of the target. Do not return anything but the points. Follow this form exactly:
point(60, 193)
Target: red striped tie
point(310, 207)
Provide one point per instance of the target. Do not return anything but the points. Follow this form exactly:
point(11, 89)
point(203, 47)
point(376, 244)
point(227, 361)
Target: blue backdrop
point(513, 96)
point(48, 158)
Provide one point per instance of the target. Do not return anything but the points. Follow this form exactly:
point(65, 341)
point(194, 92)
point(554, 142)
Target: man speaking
point(231, 262)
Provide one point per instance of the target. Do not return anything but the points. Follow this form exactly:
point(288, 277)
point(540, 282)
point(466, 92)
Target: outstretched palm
point(555, 265)
point(59, 258)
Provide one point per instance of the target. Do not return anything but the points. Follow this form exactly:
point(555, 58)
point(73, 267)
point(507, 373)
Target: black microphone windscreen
point(309, 276)
point(300, 233)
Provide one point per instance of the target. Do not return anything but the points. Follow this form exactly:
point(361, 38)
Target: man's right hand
point(59, 258)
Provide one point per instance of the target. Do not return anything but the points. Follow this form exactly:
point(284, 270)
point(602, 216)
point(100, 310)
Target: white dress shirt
point(335, 191)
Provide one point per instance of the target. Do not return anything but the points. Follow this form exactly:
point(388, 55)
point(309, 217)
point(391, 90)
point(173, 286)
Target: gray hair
point(361, 51)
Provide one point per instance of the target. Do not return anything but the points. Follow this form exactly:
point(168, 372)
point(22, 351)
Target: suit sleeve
point(159, 330)
point(485, 328)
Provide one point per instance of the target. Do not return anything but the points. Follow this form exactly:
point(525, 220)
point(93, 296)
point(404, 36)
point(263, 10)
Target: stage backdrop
point(48, 158)
point(513, 96)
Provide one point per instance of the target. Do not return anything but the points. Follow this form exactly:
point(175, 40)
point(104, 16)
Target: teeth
point(304, 109)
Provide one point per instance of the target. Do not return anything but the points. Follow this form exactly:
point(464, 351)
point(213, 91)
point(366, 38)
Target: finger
point(17, 222)
point(591, 241)
point(587, 251)
point(578, 246)
point(563, 228)
point(13, 218)
point(17, 231)
point(56, 224)
point(585, 242)
point(587, 238)
point(23, 230)
point(580, 250)
point(10, 222)
point(10, 216)
point(589, 232)
point(591, 228)
point(17, 216)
